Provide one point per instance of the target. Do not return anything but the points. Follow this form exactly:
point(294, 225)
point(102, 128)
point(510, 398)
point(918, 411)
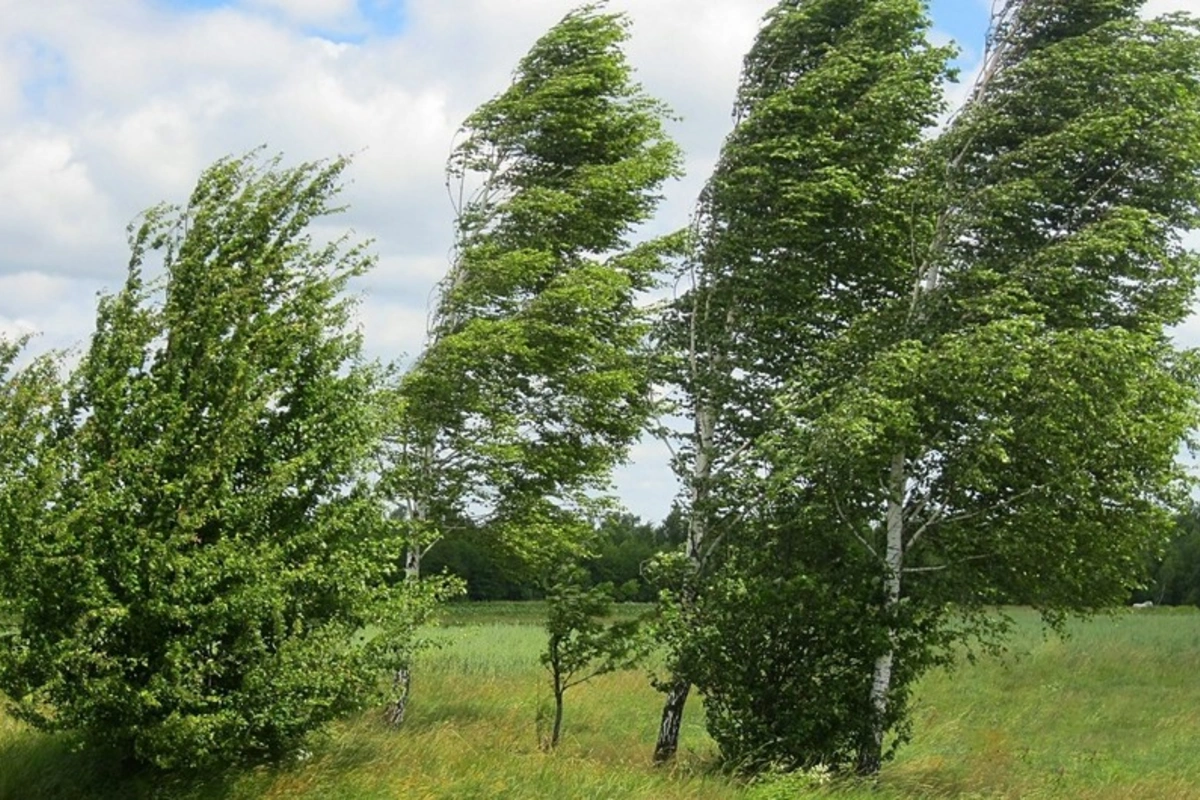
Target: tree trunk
point(870, 754)
point(556, 731)
point(672, 717)
point(412, 562)
point(677, 695)
point(401, 689)
point(402, 677)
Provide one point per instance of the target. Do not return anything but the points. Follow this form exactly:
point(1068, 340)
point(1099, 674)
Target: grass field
point(1112, 712)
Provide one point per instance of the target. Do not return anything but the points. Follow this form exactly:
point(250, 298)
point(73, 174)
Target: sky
point(108, 107)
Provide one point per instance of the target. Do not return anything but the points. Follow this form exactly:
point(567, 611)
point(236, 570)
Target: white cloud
point(1153, 8)
point(54, 206)
point(109, 107)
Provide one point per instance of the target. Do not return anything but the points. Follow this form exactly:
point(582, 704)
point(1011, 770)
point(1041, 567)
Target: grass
point(1112, 712)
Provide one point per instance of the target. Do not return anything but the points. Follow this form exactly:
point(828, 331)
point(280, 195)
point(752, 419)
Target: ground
point(1111, 712)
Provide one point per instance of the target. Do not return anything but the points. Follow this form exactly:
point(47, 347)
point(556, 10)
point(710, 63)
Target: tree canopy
point(196, 583)
point(534, 381)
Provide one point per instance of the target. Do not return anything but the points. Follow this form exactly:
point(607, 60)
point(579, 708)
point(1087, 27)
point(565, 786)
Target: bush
point(198, 587)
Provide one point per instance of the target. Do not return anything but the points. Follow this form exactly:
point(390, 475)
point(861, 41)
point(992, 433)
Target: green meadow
point(1112, 711)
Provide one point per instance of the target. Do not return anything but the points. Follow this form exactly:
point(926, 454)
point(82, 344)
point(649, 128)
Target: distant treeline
point(624, 543)
point(1174, 575)
point(620, 548)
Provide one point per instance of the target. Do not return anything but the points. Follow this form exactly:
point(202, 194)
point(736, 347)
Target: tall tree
point(534, 380)
point(217, 544)
point(1004, 420)
point(805, 204)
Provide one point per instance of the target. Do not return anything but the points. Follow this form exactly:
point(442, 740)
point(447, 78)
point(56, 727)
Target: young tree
point(580, 644)
point(534, 379)
point(805, 203)
point(217, 545)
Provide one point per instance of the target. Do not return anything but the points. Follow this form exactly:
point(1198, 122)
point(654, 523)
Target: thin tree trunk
point(402, 677)
point(677, 694)
point(672, 717)
point(401, 689)
point(556, 731)
point(870, 754)
point(412, 562)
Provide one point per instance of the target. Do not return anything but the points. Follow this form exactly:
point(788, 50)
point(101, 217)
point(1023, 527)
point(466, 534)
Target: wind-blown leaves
point(535, 378)
point(216, 543)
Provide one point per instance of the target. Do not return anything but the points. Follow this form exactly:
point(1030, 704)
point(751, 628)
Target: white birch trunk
point(667, 743)
point(418, 515)
point(871, 754)
point(704, 438)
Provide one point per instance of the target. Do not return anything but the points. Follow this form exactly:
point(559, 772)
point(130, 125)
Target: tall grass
point(1111, 712)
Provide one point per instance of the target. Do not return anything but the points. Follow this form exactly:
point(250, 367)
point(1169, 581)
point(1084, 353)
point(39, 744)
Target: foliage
point(475, 556)
point(1174, 574)
point(580, 644)
point(977, 399)
point(534, 381)
point(790, 690)
point(216, 545)
point(797, 234)
point(1005, 422)
point(616, 551)
point(620, 551)
point(30, 397)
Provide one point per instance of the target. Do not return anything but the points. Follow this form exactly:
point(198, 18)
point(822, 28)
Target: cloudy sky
point(110, 106)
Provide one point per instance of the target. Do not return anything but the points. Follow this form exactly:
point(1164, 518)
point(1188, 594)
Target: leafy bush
point(197, 589)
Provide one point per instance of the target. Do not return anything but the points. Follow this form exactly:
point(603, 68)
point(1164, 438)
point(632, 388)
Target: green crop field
point(1111, 712)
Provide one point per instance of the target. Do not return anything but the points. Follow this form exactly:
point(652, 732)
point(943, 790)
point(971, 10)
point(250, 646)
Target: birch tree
point(534, 380)
point(802, 208)
point(1004, 423)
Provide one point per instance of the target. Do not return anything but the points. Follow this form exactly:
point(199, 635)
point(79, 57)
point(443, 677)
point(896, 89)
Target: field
point(1111, 712)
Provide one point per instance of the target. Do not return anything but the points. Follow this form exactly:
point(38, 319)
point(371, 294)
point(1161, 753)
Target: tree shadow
point(49, 767)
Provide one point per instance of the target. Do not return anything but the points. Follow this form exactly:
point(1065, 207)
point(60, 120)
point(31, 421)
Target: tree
point(480, 559)
point(534, 379)
point(217, 545)
point(805, 200)
point(620, 550)
point(1002, 420)
point(580, 645)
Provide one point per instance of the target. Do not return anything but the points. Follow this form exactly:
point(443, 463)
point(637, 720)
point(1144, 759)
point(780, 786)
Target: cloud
point(1154, 8)
point(310, 12)
point(57, 211)
point(107, 108)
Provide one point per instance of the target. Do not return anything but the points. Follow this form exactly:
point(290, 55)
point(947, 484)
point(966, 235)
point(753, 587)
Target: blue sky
point(370, 18)
point(965, 20)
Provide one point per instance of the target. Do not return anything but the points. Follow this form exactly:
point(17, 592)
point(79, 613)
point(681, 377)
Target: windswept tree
point(1026, 410)
point(999, 420)
point(216, 544)
point(534, 379)
point(801, 229)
